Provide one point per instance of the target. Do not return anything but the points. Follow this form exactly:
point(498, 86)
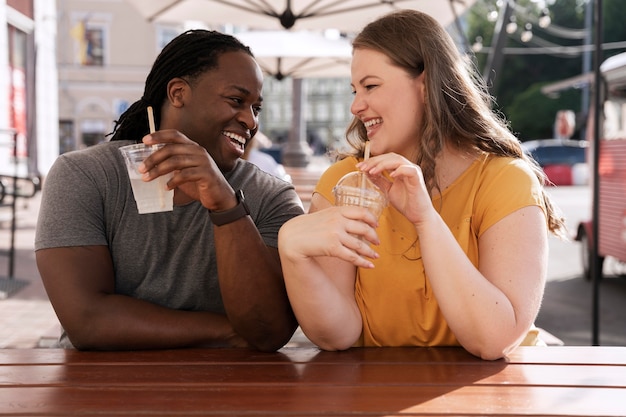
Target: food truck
point(611, 167)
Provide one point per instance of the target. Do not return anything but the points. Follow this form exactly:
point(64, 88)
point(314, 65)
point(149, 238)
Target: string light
point(527, 34)
point(544, 19)
point(492, 16)
point(477, 46)
point(511, 27)
point(529, 19)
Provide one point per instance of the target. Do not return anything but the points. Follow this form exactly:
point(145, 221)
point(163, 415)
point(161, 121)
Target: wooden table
point(572, 381)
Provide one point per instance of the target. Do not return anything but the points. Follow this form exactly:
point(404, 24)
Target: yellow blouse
point(395, 298)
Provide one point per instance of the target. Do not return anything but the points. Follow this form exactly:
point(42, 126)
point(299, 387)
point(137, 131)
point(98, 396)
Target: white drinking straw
point(366, 156)
point(154, 148)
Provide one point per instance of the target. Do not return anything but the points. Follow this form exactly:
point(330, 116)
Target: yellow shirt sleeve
point(332, 175)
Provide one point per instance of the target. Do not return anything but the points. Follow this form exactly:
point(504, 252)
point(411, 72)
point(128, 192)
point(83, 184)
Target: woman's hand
point(341, 232)
point(403, 182)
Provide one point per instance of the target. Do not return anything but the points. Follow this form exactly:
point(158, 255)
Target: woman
point(460, 254)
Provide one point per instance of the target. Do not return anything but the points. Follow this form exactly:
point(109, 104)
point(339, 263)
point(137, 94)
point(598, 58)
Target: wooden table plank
point(316, 400)
point(552, 355)
point(565, 381)
point(569, 355)
point(312, 374)
point(69, 356)
point(399, 355)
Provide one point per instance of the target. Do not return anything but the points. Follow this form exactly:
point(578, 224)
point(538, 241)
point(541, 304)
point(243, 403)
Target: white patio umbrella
point(298, 54)
point(346, 15)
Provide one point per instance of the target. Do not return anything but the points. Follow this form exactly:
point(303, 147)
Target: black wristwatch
point(220, 218)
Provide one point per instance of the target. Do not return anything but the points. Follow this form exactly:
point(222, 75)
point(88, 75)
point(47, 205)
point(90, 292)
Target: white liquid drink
point(151, 196)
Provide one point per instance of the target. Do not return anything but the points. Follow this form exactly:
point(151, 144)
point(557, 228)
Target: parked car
point(563, 160)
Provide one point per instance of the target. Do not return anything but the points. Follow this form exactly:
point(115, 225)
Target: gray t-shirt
point(166, 258)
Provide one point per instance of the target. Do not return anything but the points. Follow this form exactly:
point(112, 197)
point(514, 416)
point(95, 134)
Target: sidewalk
point(26, 318)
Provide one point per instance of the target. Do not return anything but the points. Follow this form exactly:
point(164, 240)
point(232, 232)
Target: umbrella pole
point(297, 152)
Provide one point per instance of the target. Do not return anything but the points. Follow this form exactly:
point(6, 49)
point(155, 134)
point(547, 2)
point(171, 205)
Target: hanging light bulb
point(527, 34)
point(477, 46)
point(544, 19)
point(511, 27)
point(492, 16)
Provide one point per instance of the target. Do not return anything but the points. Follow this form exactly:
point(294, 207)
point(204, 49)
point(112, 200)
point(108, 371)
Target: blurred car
point(563, 160)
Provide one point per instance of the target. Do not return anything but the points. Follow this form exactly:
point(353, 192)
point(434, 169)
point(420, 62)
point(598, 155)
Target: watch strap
point(220, 218)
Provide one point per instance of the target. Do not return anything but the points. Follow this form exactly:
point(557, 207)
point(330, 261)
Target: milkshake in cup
point(150, 196)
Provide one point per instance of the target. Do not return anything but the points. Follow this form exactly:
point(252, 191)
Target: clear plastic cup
point(356, 189)
point(151, 196)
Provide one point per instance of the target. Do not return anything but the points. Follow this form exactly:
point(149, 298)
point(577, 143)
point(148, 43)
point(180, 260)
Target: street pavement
point(28, 320)
point(568, 301)
point(26, 316)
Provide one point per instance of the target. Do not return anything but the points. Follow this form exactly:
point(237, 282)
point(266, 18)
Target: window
point(66, 136)
point(322, 111)
point(94, 52)
point(165, 34)
point(339, 111)
point(92, 132)
point(90, 35)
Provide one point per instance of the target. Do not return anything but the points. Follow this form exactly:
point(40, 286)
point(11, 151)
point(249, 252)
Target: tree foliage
point(517, 83)
point(538, 118)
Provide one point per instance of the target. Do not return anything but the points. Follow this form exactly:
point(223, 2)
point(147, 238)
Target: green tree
point(538, 119)
point(517, 83)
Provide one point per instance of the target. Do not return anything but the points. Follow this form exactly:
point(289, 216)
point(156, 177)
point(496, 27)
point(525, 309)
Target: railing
point(304, 181)
point(13, 187)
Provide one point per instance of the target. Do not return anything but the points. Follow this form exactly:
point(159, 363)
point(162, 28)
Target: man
point(206, 274)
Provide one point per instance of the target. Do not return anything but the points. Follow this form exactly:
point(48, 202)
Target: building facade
point(326, 112)
point(28, 81)
point(104, 54)
point(73, 66)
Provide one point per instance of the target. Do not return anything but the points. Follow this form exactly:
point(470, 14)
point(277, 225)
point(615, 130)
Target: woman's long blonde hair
point(458, 111)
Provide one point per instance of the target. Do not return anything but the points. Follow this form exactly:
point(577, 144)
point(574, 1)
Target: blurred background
point(71, 67)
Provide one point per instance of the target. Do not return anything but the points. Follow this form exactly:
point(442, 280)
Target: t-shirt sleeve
point(71, 212)
point(508, 186)
point(332, 175)
point(272, 202)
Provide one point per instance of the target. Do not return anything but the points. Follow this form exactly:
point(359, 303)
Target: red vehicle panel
point(612, 196)
point(611, 169)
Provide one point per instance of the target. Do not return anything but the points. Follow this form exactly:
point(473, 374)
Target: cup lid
point(358, 180)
